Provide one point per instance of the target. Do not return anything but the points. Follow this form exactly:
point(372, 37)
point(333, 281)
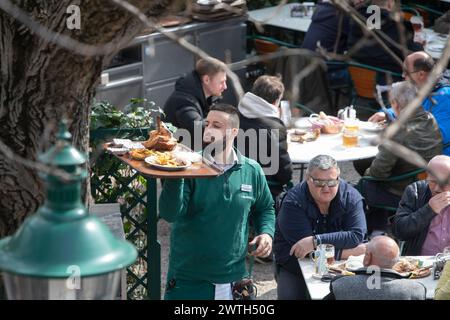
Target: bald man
point(423, 217)
point(377, 280)
point(416, 69)
point(382, 252)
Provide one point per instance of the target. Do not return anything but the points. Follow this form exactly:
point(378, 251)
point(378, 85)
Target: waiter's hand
point(302, 247)
point(263, 244)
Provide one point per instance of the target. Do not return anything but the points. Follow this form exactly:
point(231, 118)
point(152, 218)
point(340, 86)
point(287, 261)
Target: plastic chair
point(418, 174)
point(364, 78)
point(408, 12)
point(264, 47)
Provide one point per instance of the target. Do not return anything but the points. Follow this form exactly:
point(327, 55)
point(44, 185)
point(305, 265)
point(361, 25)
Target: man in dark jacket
point(322, 209)
point(420, 134)
point(325, 23)
point(423, 216)
point(265, 135)
point(372, 53)
point(329, 29)
point(381, 255)
point(194, 94)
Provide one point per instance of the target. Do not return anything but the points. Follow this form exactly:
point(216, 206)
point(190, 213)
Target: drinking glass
point(329, 253)
point(286, 114)
point(351, 134)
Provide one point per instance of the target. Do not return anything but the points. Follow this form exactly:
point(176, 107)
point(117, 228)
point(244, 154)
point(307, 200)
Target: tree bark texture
point(42, 82)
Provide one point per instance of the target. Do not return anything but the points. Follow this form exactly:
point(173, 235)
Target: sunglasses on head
point(322, 183)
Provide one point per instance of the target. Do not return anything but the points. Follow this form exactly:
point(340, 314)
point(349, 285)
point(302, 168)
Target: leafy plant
point(138, 113)
point(105, 115)
point(111, 180)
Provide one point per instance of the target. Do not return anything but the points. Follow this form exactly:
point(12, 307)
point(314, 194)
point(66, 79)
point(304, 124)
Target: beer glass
point(350, 134)
point(329, 253)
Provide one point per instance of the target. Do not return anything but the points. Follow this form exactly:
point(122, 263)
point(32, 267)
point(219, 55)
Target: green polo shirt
point(210, 221)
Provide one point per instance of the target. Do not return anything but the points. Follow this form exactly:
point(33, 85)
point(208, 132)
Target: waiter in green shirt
point(210, 216)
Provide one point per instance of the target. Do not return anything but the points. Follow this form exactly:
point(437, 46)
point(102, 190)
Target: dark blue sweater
point(345, 225)
point(324, 28)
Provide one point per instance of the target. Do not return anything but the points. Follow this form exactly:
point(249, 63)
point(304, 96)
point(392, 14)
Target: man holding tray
point(210, 216)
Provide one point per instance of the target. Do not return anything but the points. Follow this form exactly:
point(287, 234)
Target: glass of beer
point(350, 135)
point(329, 254)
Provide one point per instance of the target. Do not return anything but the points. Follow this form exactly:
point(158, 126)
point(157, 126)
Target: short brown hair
point(210, 67)
point(270, 88)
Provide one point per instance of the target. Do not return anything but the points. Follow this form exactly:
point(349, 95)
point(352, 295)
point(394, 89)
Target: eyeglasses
point(322, 183)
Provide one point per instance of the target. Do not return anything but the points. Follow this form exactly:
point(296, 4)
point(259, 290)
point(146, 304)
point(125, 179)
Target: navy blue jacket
point(345, 225)
point(372, 53)
point(324, 28)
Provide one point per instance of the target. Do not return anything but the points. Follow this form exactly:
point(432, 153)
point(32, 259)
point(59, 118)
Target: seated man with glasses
point(420, 133)
point(321, 209)
point(423, 216)
point(416, 70)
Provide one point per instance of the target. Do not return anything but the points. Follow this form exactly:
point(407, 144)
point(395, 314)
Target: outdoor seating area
point(226, 150)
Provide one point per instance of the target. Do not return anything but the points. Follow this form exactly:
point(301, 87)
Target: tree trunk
point(41, 82)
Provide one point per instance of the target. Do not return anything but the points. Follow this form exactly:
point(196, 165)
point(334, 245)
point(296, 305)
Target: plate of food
point(412, 268)
point(372, 126)
point(140, 154)
point(167, 162)
point(326, 123)
point(302, 136)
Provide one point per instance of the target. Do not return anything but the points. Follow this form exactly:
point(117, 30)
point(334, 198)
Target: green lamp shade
point(44, 247)
point(61, 243)
point(73, 259)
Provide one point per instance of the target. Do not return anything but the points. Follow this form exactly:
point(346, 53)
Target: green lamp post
point(61, 251)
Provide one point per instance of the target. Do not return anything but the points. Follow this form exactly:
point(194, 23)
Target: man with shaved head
point(377, 280)
point(423, 216)
point(416, 69)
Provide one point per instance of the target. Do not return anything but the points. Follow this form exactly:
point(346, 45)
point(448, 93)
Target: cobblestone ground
point(263, 274)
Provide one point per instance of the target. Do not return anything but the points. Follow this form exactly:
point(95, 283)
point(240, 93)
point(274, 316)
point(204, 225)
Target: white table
point(319, 289)
point(331, 144)
point(435, 40)
point(281, 18)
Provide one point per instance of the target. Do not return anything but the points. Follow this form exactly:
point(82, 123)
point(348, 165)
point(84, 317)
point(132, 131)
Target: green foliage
point(137, 114)
point(105, 115)
point(110, 178)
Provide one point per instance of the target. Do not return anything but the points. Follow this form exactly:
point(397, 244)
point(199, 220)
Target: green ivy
point(137, 114)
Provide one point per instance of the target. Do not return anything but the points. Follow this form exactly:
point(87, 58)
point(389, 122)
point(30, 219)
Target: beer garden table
point(330, 144)
point(280, 17)
point(318, 289)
